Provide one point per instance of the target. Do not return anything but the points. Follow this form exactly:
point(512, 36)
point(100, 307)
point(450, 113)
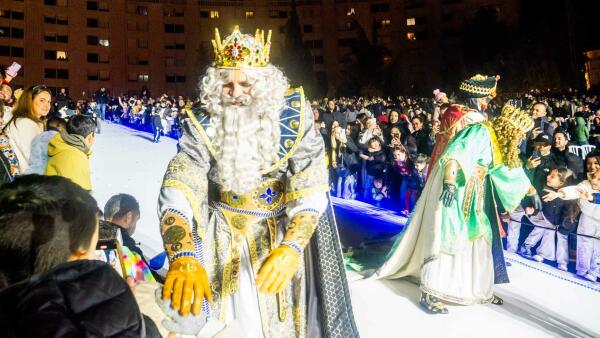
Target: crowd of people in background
point(378, 150)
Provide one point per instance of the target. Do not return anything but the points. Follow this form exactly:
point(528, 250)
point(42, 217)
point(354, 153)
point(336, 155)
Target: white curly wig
point(245, 136)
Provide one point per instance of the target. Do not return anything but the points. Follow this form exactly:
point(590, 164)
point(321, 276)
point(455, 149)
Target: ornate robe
point(234, 234)
point(456, 252)
point(454, 119)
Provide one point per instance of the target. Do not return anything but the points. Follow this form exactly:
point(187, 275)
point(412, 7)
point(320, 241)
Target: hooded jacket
point(68, 156)
point(76, 299)
point(582, 133)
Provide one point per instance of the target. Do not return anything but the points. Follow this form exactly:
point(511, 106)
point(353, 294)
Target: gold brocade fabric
point(474, 192)
point(261, 236)
point(284, 314)
point(268, 196)
point(228, 229)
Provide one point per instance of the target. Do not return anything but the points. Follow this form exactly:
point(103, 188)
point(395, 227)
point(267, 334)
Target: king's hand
point(187, 285)
point(278, 269)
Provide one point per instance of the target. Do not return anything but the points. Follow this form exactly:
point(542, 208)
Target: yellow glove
point(277, 270)
point(187, 278)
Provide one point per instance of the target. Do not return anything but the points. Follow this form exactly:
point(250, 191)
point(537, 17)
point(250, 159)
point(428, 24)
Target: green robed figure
point(452, 242)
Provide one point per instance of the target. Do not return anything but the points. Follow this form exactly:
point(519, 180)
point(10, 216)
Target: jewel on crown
point(242, 50)
point(478, 77)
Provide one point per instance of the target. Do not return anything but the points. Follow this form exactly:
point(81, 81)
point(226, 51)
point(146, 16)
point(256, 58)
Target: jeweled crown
point(517, 117)
point(239, 50)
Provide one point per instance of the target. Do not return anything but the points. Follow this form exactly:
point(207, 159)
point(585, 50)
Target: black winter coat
point(537, 176)
point(424, 141)
point(571, 161)
point(350, 156)
point(77, 299)
point(377, 165)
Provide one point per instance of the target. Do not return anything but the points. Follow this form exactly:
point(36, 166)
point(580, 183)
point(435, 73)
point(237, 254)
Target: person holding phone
point(538, 166)
point(539, 112)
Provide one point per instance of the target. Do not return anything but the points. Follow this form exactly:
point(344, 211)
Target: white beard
point(240, 156)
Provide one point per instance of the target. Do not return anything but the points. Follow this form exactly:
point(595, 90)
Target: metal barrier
point(554, 229)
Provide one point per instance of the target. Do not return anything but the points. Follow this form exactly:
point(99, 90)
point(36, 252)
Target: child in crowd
point(375, 164)
point(39, 146)
point(413, 183)
point(552, 214)
point(399, 168)
point(69, 151)
point(51, 286)
point(379, 192)
point(587, 194)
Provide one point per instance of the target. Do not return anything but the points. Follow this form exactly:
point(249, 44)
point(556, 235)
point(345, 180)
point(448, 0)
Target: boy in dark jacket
point(48, 246)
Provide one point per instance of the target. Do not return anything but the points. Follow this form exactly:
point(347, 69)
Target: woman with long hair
point(27, 121)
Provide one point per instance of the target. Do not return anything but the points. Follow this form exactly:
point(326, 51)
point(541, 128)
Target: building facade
point(592, 68)
point(164, 46)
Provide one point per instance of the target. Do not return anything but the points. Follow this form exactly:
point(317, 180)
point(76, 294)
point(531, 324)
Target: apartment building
point(164, 46)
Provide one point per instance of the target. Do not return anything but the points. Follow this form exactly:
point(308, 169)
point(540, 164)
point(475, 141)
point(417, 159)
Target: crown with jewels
point(518, 117)
point(239, 50)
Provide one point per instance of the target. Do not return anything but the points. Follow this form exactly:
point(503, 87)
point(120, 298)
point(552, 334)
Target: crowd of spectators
point(380, 147)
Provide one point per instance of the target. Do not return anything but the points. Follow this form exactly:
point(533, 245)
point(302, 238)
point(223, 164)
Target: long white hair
point(245, 136)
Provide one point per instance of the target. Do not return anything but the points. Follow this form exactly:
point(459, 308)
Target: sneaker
point(562, 267)
point(588, 276)
point(525, 251)
point(538, 258)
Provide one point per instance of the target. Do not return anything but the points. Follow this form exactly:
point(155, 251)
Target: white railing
point(582, 151)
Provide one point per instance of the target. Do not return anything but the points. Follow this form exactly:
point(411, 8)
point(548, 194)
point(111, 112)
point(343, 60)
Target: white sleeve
point(572, 193)
point(590, 209)
point(171, 198)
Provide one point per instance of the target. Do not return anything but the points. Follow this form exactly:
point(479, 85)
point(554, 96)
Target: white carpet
point(539, 302)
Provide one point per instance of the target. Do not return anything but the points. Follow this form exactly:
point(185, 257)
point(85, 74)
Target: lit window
point(249, 15)
point(61, 55)
point(104, 42)
point(410, 22)
point(143, 78)
point(385, 22)
point(411, 36)
point(350, 11)
point(214, 14)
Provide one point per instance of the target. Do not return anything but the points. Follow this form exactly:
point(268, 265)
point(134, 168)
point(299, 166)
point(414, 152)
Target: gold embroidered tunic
point(233, 234)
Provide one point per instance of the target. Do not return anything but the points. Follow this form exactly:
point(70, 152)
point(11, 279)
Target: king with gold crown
point(245, 216)
point(452, 245)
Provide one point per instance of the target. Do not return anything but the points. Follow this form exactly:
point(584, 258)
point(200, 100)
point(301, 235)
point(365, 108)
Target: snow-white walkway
point(540, 301)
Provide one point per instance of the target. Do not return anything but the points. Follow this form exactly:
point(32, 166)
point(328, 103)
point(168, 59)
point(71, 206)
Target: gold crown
point(242, 50)
point(519, 118)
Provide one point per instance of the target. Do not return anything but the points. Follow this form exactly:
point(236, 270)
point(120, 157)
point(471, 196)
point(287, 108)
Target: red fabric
point(382, 118)
point(450, 124)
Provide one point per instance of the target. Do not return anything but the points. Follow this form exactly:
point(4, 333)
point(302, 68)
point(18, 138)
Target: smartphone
point(109, 251)
point(536, 154)
point(13, 69)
